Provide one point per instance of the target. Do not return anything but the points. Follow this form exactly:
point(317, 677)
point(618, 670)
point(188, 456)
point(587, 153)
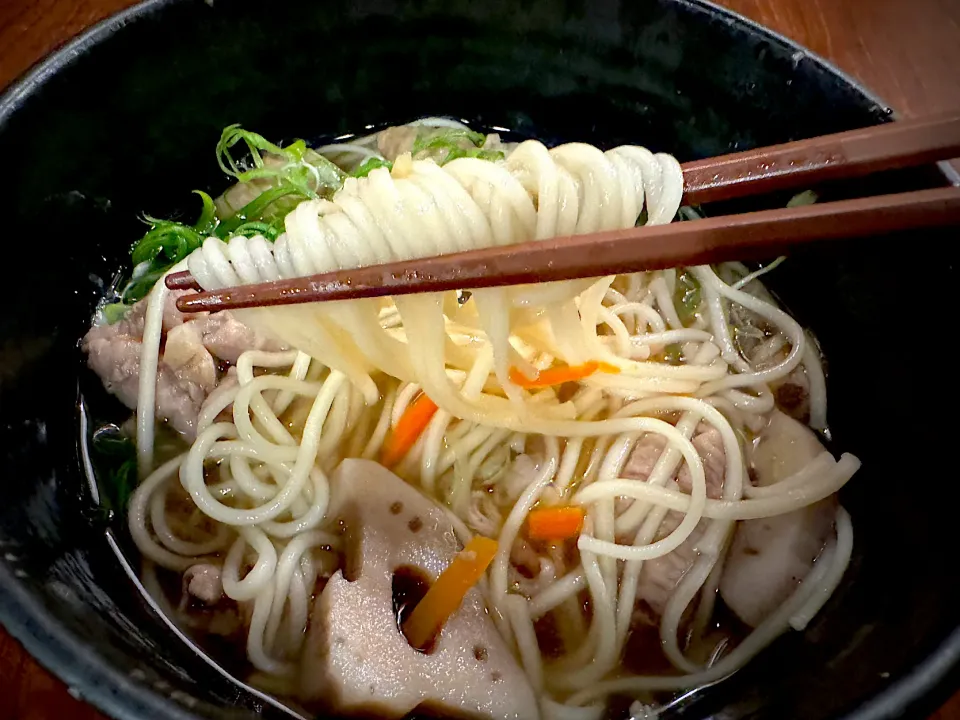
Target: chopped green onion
point(370, 164)
point(687, 297)
point(249, 229)
point(327, 173)
point(447, 139)
point(208, 220)
point(232, 134)
point(164, 245)
point(747, 279)
point(673, 354)
point(298, 174)
point(116, 455)
point(173, 239)
point(115, 312)
point(298, 166)
point(140, 285)
point(807, 197)
point(456, 142)
point(491, 155)
point(259, 209)
point(479, 153)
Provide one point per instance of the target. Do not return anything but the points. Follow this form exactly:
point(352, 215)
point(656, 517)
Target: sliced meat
point(659, 577)
point(228, 338)
point(769, 557)
point(647, 450)
point(221, 333)
point(117, 361)
point(171, 316)
point(524, 469)
point(185, 354)
point(188, 369)
point(644, 456)
point(227, 382)
point(709, 446)
point(131, 324)
point(394, 141)
point(205, 609)
point(203, 583)
point(356, 660)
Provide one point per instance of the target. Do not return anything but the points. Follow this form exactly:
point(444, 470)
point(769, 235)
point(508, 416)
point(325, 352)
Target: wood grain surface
point(907, 51)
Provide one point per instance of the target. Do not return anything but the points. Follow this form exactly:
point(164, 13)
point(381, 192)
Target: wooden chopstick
point(905, 143)
point(799, 164)
point(755, 235)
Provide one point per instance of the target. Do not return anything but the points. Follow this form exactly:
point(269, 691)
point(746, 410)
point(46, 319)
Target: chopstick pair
point(754, 235)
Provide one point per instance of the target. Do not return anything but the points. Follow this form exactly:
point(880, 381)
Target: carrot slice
point(607, 368)
point(447, 593)
point(556, 523)
point(404, 436)
point(560, 375)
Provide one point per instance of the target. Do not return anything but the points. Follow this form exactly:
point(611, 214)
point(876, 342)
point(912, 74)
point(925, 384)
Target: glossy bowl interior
point(123, 121)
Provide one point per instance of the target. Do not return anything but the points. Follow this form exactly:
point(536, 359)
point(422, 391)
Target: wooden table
point(908, 51)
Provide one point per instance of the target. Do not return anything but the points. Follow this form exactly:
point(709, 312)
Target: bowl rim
point(89, 678)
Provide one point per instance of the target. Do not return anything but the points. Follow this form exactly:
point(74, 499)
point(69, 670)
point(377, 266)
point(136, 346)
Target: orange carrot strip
point(560, 375)
point(555, 523)
point(411, 424)
point(607, 368)
point(447, 593)
point(554, 375)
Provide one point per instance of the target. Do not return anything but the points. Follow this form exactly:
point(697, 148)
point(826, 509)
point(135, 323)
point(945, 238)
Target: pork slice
point(171, 316)
point(131, 325)
point(709, 445)
point(116, 361)
point(188, 370)
point(178, 402)
point(226, 384)
point(228, 338)
point(185, 354)
point(394, 141)
point(659, 577)
point(202, 582)
point(356, 660)
point(769, 557)
point(644, 456)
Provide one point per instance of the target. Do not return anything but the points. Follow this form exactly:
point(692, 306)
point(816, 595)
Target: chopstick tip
point(181, 281)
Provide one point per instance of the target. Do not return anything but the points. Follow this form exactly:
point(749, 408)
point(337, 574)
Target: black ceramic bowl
point(123, 121)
